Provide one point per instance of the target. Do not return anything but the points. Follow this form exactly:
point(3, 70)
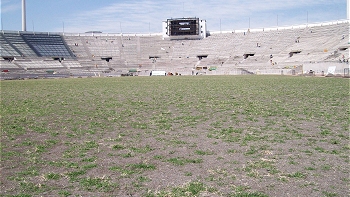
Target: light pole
point(249, 22)
point(121, 31)
point(24, 22)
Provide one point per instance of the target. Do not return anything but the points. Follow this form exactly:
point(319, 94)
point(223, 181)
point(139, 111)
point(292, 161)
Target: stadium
point(184, 112)
point(184, 47)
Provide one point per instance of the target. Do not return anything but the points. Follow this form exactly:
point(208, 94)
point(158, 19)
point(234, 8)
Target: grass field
point(175, 136)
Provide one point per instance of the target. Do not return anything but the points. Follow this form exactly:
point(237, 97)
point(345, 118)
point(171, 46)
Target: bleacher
point(46, 45)
point(16, 43)
point(34, 51)
point(6, 64)
point(7, 49)
point(71, 64)
point(228, 52)
point(40, 64)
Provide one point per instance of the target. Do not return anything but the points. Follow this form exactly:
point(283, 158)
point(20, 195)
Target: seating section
point(46, 45)
point(16, 44)
point(7, 49)
point(24, 50)
point(71, 64)
point(309, 44)
point(230, 52)
point(5, 64)
point(40, 64)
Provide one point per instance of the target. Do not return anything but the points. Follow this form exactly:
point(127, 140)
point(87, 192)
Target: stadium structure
point(185, 47)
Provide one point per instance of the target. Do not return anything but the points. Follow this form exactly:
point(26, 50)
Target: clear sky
point(144, 16)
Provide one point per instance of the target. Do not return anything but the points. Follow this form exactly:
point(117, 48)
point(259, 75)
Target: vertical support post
point(249, 22)
point(183, 9)
point(24, 20)
point(121, 30)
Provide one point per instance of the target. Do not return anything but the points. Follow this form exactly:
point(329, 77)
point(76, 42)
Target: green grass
point(296, 175)
point(182, 161)
point(202, 152)
point(130, 169)
point(193, 188)
point(99, 184)
point(128, 135)
point(53, 176)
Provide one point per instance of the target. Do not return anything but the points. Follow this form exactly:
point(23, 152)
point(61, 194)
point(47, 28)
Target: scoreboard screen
point(184, 26)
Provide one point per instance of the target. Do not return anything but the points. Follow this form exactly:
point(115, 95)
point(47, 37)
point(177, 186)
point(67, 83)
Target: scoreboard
point(184, 28)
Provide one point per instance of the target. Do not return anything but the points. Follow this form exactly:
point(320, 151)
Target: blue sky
point(144, 16)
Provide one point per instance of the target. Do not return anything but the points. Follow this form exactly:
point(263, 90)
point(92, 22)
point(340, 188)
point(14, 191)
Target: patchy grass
point(175, 136)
